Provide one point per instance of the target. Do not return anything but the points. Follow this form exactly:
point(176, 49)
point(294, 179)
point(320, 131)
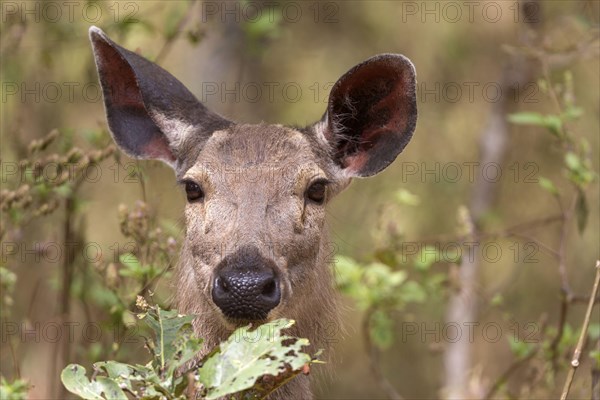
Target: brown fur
point(255, 180)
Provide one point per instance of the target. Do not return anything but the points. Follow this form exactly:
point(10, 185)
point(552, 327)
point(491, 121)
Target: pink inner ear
point(372, 114)
point(158, 147)
point(356, 162)
point(119, 78)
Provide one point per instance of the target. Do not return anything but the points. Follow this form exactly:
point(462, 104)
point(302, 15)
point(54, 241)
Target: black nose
point(245, 286)
point(247, 294)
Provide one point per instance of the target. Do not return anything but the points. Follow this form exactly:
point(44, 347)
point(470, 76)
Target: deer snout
point(246, 294)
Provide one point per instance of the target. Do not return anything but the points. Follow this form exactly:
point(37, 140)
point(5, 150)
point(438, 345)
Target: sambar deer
point(256, 245)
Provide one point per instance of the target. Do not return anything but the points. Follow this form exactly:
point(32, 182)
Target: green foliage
point(262, 28)
point(236, 366)
point(378, 290)
point(248, 355)
point(43, 180)
point(551, 122)
point(577, 156)
point(520, 348)
point(7, 285)
point(16, 390)
point(548, 185)
point(405, 197)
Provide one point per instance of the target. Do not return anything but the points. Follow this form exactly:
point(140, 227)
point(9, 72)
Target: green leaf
point(519, 348)
point(526, 118)
point(248, 355)
point(124, 374)
point(548, 185)
point(171, 21)
point(595, 355)
point(428, 255)
point(572, 161)
point(551, 122)
point(130, 261)
point(348, 276)
point(63, 190)
point(497, 300)
point(16, 390)
point(75, 381)
point(554, 124)
point(133, 267)
point(115, 369)
point(381, 330)
point(405, 197)
point(572, 113)
point(594, 331)
point(166, 326)
point(412, 292)
point(578, 170)
point(582, 211)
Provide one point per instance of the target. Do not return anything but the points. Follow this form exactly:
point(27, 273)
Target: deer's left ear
point(371, 115)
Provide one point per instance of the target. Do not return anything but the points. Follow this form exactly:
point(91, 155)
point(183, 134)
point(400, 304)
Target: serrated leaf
point(75, 381)
point(248, 355)
point(166, 326)
point(114, 369)
point(111, 389)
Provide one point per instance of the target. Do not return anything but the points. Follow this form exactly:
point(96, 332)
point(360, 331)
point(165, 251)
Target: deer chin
point(233, 323)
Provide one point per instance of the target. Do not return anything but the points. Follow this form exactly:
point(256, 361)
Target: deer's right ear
point(150, 113)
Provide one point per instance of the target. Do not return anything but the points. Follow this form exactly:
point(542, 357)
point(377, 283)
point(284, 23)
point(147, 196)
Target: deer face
point(255, 219)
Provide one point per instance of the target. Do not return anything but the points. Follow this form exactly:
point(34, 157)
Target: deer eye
point(193, 191)
point(316, 191)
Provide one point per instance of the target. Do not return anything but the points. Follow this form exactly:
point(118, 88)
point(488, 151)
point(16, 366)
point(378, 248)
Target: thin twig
point(169, 42)
point(582, 336)
point(517, 363)
point(542, 245)
point(510, 231)
point(596, 375)
point(373, 354)
point(564, 308)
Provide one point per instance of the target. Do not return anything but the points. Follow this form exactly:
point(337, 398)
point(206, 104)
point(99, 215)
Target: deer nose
point(247, 294)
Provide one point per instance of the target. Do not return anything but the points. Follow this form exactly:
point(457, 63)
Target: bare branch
point(582, 336)
point(373, 353)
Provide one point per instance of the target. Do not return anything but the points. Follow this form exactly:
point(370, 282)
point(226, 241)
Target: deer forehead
point(271, 154)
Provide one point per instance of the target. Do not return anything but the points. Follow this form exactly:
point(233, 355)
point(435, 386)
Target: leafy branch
point(238, 366)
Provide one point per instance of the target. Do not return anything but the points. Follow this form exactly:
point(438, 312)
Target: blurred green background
point(277, 66)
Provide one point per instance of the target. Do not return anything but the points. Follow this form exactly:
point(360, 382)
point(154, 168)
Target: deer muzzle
point(246, 286)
